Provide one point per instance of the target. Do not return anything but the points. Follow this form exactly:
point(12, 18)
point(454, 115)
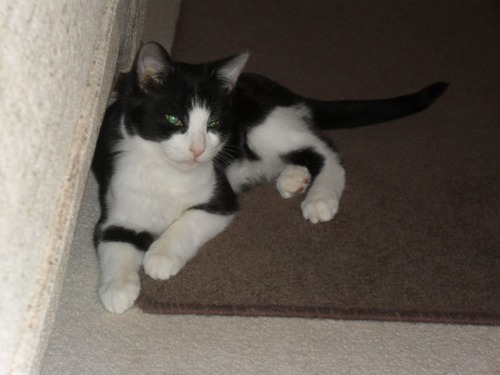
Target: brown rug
point(417, 236)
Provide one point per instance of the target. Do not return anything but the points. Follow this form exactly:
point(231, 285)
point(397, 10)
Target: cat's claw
point(118, 296)
point(162, 265)
point(320, 208)
point(293, 180)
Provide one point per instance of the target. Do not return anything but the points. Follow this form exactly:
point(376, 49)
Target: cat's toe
point(318, 210)
point(161, 266)
point(118, 296)
point(293, 181)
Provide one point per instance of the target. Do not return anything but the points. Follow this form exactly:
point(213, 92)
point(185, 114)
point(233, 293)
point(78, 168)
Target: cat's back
point(252, 86)
point(256, 96)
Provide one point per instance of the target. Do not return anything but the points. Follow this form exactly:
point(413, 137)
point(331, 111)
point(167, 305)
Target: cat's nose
point(196, 151)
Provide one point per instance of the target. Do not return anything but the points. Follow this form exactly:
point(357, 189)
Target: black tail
point(355, 113)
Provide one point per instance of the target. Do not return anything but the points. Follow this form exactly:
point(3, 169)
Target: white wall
point(57, 60)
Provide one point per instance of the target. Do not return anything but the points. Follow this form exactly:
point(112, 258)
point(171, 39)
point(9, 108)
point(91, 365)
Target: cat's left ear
point(229, 69)
point(152, 65)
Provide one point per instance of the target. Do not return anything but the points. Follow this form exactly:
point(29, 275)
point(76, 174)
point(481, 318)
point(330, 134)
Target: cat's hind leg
point(286, 148)
point(322, 200)
point(245, 173)
point(293, 180)
point(315, 162)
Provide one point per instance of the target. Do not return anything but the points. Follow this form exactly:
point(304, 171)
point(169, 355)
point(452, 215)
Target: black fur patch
point(141, 240)
point(306, 157)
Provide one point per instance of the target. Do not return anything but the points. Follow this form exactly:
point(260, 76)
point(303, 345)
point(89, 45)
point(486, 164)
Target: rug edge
point(149, 306)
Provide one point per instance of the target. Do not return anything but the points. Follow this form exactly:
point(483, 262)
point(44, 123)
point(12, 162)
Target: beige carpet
point(88, 340)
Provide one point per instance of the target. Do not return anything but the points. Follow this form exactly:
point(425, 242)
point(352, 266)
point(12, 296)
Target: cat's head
point(184, 108)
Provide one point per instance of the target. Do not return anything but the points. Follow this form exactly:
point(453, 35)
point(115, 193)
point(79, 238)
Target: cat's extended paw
point(293, 180)
point(319, 207)
point(118, 296)
point(161, 265)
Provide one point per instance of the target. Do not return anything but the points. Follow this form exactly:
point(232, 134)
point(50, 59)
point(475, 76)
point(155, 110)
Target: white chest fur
point(148, 193)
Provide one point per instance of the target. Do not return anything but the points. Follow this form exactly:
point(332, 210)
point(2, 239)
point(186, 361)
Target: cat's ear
point(229, 69)
point(152, 65)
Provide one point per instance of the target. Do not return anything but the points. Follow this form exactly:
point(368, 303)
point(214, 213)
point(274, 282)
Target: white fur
point(284, 130)
point(293, 180)
point(151, 191)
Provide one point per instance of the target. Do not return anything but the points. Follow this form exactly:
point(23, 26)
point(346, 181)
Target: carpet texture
point(417, 234)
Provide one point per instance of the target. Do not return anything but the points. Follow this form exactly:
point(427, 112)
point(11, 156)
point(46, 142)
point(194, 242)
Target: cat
point(182, 140)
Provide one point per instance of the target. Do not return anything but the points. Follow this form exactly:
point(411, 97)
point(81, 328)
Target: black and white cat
point(181, 140)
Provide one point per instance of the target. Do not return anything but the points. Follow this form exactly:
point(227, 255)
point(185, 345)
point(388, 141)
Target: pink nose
point(196, 151)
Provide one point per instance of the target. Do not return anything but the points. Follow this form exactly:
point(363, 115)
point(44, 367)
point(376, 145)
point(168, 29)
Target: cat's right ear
point(229, 69)
point(152, 65)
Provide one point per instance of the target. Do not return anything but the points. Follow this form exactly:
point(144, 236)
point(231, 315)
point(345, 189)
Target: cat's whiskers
point(226, 154)
point(223, 159)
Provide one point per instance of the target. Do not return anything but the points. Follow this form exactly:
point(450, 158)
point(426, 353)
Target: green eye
point(174, 120)
point(213, 124)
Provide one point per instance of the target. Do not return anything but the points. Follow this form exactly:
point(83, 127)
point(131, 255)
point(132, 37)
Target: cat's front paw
point(293, 180)
point(161, 265)
point(118, 296)
point(319, 207)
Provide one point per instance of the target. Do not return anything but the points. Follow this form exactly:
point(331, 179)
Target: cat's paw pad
point(320, 208)
point(293, 180)
point(162, 265)
point(118, 296)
